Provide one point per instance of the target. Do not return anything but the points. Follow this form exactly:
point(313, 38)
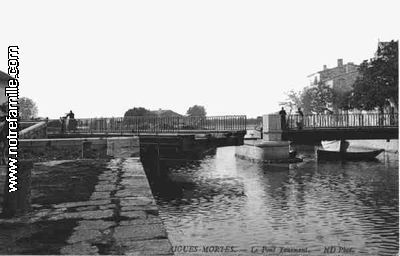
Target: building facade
point(340, 78)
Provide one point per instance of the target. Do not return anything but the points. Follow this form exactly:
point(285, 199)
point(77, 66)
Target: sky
point(101, 58)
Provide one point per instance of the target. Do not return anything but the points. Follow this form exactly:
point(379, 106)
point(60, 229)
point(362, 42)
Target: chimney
point(340, 62)
point(325, 67)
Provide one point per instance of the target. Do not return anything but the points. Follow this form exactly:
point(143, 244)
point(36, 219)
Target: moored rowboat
point(336, 155)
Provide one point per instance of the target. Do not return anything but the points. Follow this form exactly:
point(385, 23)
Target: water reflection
point(222, 200)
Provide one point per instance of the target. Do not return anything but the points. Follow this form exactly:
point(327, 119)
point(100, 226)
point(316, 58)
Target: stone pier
point(272, 130)
point(271, 148)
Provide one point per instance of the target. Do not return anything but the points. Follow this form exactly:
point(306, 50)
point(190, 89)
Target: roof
point(165, 113)
point(344, 65)
point(328, 69)
point(339, 75)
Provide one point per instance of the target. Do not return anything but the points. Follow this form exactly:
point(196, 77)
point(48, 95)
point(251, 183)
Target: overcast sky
point(101, 58)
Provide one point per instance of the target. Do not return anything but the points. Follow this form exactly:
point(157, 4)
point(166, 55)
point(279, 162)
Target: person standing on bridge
point(71, 121)
point(300, 119)
point(71, 115)
point(282, 113)
point(63, 125)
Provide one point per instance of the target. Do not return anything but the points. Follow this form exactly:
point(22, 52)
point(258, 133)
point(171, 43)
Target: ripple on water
point(233, 201)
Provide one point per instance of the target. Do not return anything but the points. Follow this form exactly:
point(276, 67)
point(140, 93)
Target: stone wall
point(35, 131)
point(123, 146)
point(75, 148)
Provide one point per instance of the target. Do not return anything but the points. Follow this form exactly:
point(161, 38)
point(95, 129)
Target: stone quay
point(119, 217)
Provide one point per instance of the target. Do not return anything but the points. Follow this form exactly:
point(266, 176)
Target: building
point(4, 77)
point(340, 78)
point(165, 113)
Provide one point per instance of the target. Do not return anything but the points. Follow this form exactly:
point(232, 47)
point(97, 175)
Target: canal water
point(225, 201)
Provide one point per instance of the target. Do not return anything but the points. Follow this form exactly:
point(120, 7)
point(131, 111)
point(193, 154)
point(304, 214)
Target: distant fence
point(343, 120)
point(141, 124)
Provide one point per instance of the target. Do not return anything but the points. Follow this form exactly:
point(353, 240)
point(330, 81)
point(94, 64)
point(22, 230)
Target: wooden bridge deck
point(297, 128)
point(149, 125)
point(314, 135)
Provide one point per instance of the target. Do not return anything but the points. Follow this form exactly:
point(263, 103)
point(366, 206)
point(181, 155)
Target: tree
point(27, 108)
point(306, 98)
point(342, 99)
point(321, 97)
point(196, 110)
point(377, 85)
point(138, 111)
point(314, 98)
point(293, 100)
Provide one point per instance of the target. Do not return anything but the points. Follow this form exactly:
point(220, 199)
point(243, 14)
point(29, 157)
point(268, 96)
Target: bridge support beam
point(272, 130)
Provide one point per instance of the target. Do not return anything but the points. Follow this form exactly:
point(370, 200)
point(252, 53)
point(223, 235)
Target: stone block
point(100, 195)
point(94, 224)
point(102, 188)
point(147, 221)
point(132, 192)
point(151, 208)
point(134, 214)
point(135, 201)
point(147, 247)
point(84, 203)
point(140, 232)
point(79, 249)
point(100, 214)
point(82, 235)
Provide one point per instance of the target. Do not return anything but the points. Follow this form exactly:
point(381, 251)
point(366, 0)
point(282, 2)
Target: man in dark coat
point(301, 119)
point(282, 113)
point(71, 121)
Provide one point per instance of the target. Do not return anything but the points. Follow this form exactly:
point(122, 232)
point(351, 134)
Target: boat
point(356, 156)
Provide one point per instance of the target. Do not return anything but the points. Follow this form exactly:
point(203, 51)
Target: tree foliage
point(342, 99)
point(377, 85)
point(196, 110)
point(321, 97)
point(27, 108)
point(311, 99)
point(138, 111)
point(293, 100)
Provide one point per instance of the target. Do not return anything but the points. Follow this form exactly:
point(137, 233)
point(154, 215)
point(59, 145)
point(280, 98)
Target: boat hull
point(353, 156)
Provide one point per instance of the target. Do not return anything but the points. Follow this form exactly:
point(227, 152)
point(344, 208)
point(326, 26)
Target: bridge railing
point(140, 124)
point(343, 120)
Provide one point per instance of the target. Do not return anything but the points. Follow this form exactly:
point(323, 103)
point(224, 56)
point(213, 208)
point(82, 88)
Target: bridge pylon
point(272, 130)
